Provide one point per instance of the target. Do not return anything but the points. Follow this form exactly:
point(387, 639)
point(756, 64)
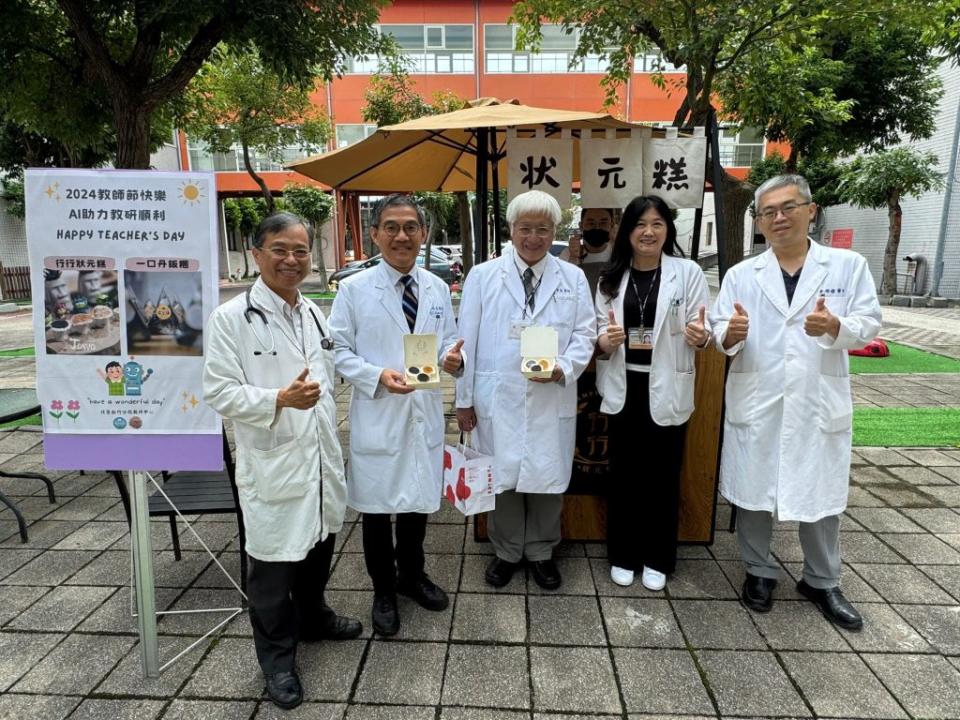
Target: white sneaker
point(621, 576)
point(653, 580)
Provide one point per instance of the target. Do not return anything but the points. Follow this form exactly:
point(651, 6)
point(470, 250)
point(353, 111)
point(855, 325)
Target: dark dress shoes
point(338, 628)
point(500, 572)
point(386, 619)
point(424, 592)
point(834, 606)
point(284, 689)
point(546, 574)
point(757, 593)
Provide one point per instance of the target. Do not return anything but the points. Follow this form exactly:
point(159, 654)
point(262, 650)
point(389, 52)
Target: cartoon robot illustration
point(135, 377)
point(112, 374)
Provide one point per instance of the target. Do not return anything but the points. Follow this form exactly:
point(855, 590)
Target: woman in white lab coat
point(650, 307)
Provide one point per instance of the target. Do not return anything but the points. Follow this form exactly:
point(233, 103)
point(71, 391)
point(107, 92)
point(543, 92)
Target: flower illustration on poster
point(56, 410)
point(73, 409)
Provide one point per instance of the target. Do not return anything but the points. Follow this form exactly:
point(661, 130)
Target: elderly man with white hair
point(528, 425)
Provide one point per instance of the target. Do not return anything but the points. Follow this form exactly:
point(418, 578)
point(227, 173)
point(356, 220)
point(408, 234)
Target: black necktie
point(529, 290)
point(409, 301)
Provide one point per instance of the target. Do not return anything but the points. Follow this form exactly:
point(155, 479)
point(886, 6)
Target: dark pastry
point(423, 377)
point(413, 370)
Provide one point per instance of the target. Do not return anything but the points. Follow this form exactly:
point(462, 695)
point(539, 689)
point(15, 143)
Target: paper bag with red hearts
point(468, 478)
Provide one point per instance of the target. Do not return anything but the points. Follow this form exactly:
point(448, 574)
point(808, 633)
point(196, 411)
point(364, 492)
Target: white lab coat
point(683, 289)
point(789, 412)
point(396, 441)
point(279, 454)
point(529, 427)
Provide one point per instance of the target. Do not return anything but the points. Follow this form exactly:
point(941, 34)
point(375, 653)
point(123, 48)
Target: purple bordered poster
point(124, 274)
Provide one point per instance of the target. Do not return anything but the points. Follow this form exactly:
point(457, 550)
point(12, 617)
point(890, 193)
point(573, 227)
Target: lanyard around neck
point(643, 303)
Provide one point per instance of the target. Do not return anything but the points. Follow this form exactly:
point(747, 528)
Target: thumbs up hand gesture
point(453, 360)
point(737, 326)
point(696, 333)
point(301, 394)
point(614, 336)
point(821, 321)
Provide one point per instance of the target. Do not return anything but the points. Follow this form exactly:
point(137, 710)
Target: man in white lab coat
point(788, 318)
point(527, 425)
point(396, 432)
point(269, 368)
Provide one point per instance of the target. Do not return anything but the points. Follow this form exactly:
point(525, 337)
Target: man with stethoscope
point(269, 369)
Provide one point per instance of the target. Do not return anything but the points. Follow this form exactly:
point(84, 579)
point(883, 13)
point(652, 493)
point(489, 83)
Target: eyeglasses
point(280, 253)
point(788, 210)
point(393, 229)
point(542, 232)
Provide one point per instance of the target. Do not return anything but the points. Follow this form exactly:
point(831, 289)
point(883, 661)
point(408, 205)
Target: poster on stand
point(124, 275)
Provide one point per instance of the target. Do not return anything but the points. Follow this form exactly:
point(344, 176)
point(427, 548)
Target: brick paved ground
point(591, 649)
point(68, 646)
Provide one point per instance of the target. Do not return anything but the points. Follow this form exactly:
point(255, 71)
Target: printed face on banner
point(540, 164)
point(124, 276)
point(611, 171)
point(673, 170)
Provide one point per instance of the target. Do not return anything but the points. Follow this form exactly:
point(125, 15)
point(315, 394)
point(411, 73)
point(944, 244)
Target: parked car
point(441, 265)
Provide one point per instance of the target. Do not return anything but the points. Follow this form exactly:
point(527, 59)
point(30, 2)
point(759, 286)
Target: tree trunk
point(133, 136)
point(888, 286)
point(431, 229)
point(243, 251)
point(321, 263)
point(267, 195)
point(466, 239)
point(736, 197)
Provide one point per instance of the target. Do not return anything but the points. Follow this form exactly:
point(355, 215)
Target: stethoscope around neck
point(325, 342)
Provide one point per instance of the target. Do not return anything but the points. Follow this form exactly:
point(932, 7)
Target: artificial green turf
point(907, 427)
point(18, 352)
point(903, 359)
point(31, 420)
point(320, 296)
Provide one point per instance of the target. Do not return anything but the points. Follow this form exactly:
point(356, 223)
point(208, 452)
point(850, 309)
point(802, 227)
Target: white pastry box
point(539, 347)
point(420, 359)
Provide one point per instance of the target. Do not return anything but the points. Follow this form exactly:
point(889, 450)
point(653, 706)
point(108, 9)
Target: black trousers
point(644, 486)
point(386, 560)
point(286, 602)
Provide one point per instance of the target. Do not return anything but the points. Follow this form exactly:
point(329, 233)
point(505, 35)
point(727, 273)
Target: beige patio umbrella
point(443, 152)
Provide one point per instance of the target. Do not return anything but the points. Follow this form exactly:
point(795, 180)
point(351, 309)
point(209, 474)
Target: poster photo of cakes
point(164, 312)
point(80, 306)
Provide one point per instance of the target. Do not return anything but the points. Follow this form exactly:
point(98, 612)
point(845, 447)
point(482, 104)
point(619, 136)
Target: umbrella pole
point(495, 163)
point(481, 249)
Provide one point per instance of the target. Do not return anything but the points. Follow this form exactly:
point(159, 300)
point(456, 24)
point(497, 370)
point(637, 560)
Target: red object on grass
point(874, 348)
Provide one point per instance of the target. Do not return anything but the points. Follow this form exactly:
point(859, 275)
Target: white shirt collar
point(538, 267)
point(278, 304)
point(394, 275)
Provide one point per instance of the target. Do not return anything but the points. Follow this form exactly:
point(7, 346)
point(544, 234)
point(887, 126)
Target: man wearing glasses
point(787, 318)
point(527, 425)
point(396, 433)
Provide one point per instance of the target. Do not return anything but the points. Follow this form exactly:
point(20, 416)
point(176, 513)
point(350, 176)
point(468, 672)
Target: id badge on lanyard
point(640, 338)
point(517, 327)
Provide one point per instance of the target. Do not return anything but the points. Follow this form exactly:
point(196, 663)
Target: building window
point(430, 49)
point(557, 49)
point(740, 147)
point(655, 63)
point(202, 159)
point(348, 134)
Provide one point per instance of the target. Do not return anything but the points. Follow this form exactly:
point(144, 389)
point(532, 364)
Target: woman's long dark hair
point(622, 254)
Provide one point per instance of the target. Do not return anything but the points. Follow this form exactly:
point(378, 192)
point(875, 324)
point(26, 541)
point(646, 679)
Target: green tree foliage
point(97, 73)
point(882, 180)
point(316, 207)
point(391, 98)
point(822, 173)
point(715, 41)
point(236, 99)
point(844, 88)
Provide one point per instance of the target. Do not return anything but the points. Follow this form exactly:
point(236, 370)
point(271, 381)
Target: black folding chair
point(195, 493)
